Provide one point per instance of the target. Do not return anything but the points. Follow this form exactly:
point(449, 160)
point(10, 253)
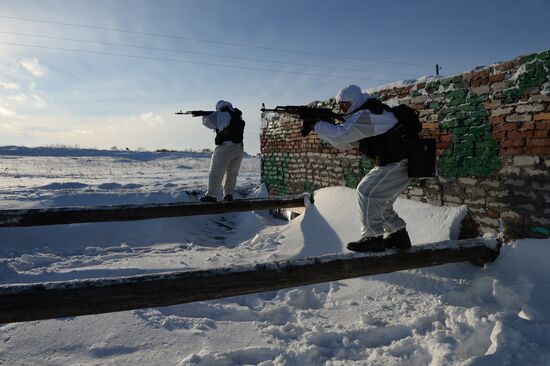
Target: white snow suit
point(379, 189)
point(227, 157)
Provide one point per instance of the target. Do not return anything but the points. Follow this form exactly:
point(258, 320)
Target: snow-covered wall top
point(492, 129)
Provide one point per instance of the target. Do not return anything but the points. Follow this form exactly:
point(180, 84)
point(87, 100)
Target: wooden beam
point(72, 215)
point(81, 297)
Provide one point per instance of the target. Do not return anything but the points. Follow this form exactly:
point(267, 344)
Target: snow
point(403, 83)
point(454, 314)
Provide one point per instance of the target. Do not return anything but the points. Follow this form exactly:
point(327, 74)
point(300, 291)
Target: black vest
point(234, 131)
point(386, 148)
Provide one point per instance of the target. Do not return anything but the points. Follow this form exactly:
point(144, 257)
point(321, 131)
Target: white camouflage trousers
point(225, 164)
point(376, 193)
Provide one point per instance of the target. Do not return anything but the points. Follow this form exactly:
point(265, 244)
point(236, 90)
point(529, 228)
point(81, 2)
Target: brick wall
point(492, 129)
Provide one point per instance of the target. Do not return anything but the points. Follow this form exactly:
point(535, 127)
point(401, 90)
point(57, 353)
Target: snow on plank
point(94, 296)
point(72, 215)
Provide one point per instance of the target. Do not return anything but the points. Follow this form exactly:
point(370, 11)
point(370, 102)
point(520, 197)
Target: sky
point(113, 73)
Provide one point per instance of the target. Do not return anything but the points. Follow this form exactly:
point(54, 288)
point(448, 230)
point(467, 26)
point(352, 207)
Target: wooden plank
point(61, 299)
point(72, 215)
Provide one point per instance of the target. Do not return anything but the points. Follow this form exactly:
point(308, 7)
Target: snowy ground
point(455, 314)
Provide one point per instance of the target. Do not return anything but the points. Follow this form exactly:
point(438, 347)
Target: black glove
point(307, 126)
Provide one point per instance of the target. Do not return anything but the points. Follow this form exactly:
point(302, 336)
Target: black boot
point(208, 199)
point(371, 244)
point(398, 240)
point(228, 197)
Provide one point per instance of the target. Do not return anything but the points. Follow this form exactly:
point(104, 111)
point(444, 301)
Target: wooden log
point(72, 215)
point(62, 299)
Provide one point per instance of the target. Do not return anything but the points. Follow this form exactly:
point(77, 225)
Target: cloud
point(33, 66)
point(82, 132)
point(9, 86)
point(28, 101)
point(4, 112)
point(38, 102)
point(10, 130)
point(152, 119)
point(19, 98)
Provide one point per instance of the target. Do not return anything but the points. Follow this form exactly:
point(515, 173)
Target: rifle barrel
point(196, 113)
point(315, 112)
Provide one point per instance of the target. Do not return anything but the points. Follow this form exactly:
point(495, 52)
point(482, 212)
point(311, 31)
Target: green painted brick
point(457, 79)
point(460, 93)
point(481, 98)
point(491, 144)
point(454, 123)
point(464, 148)
point(456, 102)
point(480, 114)
point(366, 165)
point(446, 82)
point(350, 178)
point(309, 187)
point(541, 230)
point(459, 130)
point(467, 107)
point(439, 95)
point(528, 58)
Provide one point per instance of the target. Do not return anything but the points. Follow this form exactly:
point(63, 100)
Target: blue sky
point(112, 73)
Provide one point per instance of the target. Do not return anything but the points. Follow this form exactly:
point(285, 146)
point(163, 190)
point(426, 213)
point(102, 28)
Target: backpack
point(420, 152)
point(408, 117)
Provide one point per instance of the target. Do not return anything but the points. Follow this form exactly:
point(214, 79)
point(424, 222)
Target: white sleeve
point(357, 127)
point(210, 121)
point(216, 120)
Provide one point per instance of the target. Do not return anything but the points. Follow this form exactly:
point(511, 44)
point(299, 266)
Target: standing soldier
point(228, 153)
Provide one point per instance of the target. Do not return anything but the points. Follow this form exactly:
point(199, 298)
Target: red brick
point(499, 135)
point(543, 125)
point(541, 116)
point(542, 133)
point(484, 73)
point(517, 142)
point(446, 138)
point(403, 91)
point(480, 82)
point(538, 142)
point(520, 134)
point(496, 77)
point(512, 151)
point(527, 126)
point(467, 76)
point(506, 66)
point(505, 127)
point(430, 126)
point(431, 134)
point(539, 150)
point(496, 119)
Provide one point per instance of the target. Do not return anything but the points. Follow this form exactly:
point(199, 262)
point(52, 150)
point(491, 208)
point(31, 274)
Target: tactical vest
point(234, 131)
point(386, 148)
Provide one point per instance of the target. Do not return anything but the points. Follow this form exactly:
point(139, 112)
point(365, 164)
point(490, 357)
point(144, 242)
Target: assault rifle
point(196, 113)
point(309, 115)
